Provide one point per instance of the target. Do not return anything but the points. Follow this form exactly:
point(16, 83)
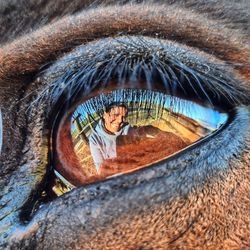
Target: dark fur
point(196, 200)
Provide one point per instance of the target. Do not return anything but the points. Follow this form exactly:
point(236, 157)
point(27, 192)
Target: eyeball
point(125, 130)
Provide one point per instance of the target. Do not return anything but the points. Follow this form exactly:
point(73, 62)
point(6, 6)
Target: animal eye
point(165, 98)
point(89, 146)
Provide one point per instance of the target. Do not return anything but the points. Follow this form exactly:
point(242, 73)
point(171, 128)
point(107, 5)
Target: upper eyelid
point(79, 67)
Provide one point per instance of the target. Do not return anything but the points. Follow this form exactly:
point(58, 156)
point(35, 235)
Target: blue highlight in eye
point(207, 117)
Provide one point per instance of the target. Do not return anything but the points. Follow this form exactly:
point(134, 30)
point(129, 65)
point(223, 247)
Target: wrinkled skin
point(199, 199)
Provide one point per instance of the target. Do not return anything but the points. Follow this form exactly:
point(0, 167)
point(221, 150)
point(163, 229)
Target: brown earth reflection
point(145, 146)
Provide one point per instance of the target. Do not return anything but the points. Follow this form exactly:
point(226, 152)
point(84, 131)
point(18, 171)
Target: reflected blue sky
point(146, 99)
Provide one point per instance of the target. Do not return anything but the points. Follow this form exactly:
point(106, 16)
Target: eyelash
point(78, 73)
point(92, 66)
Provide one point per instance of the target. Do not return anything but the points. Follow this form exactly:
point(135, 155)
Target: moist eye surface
point(124, 130)
point(150, 99)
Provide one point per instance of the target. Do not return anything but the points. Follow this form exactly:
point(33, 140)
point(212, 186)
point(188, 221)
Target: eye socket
point(133, 64)
point(124, 130)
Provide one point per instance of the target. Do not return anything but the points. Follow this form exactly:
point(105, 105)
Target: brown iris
point(125, 130)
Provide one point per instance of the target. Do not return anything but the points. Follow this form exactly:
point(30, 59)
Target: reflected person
point(102, 141)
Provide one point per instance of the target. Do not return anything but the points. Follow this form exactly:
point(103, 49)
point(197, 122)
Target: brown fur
point(197, 200)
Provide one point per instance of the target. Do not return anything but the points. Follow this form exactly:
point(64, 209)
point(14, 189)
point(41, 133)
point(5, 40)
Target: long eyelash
point(139, 59)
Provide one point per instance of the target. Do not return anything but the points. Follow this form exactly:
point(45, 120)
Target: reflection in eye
point(125, 130)
point(147, 126)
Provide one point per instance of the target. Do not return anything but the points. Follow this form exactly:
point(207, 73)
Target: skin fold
point(198, 199)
